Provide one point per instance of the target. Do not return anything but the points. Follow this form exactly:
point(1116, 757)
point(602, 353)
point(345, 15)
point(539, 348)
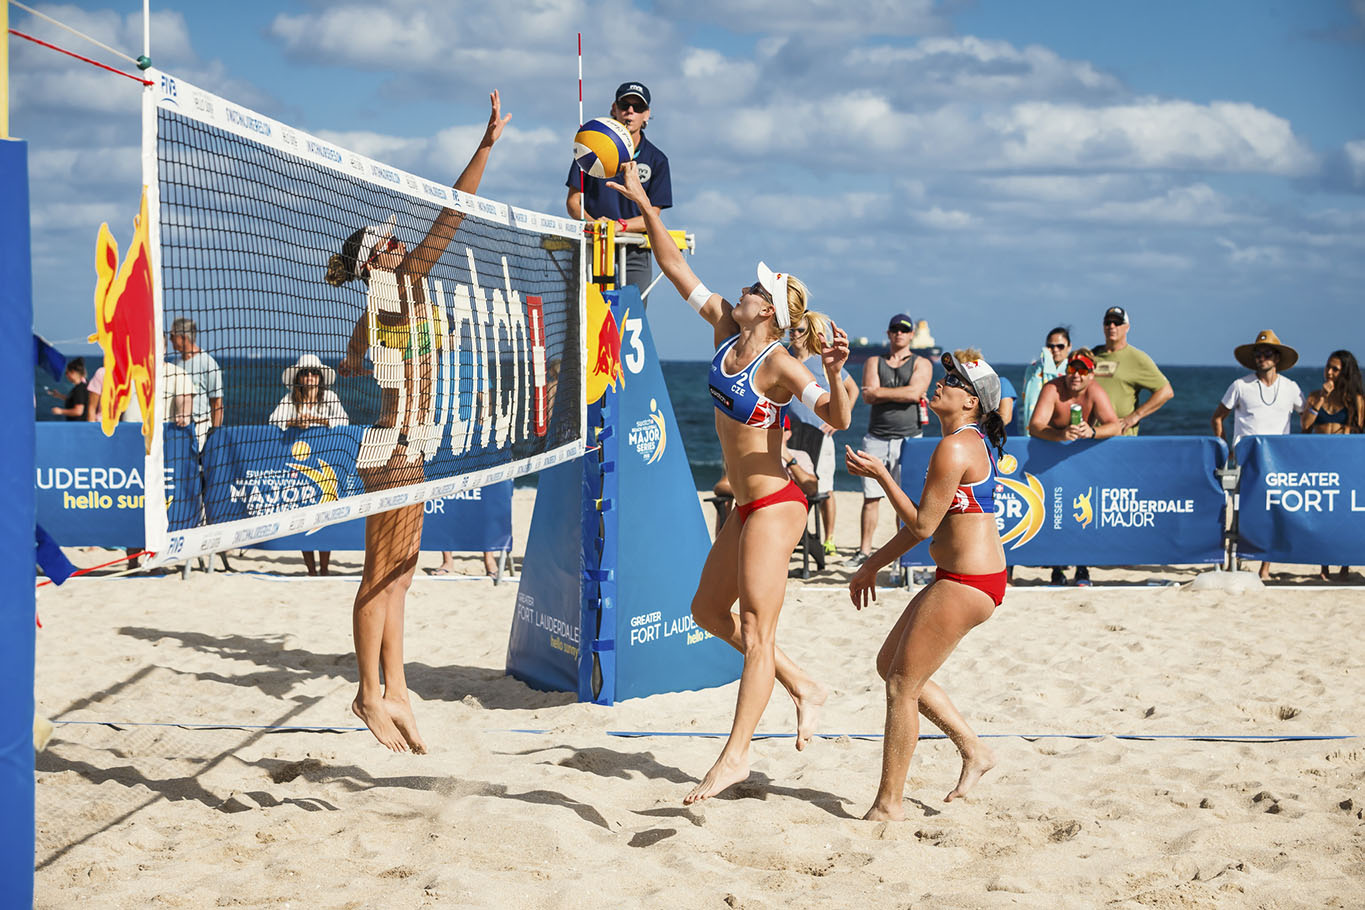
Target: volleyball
point(601, 146)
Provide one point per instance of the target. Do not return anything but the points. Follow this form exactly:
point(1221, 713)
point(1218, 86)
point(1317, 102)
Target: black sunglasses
point(1056, 347)
point(759, 290)
point(638, 107)
point(957, 382)
point(1113, 322)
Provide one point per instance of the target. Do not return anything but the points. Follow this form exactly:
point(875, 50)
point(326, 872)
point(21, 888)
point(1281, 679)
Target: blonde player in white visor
point(753, 377)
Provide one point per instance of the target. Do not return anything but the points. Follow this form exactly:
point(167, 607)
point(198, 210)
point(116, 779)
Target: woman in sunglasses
point(397, 329)
point(956, 512)
point(1052, 416)
point(753, 378)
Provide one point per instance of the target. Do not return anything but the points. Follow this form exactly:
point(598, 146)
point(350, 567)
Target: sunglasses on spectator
point(1056, 347)
point(638, 107)
point(1078, 368)
point(1267, 353)
point(898, 330)
point(957, 382)
point(1113, 322)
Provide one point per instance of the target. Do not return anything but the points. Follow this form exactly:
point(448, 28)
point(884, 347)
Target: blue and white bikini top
point(977, 497)
point(735, 395)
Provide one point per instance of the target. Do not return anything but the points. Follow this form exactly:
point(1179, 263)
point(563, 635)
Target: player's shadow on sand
point(606, 762)
point(285, 668)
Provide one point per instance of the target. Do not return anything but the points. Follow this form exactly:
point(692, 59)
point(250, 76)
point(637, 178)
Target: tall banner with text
point(604, 607)
point(1302, 499)
point(1113, 502)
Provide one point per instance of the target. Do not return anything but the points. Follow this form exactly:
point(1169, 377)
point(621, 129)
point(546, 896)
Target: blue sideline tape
point(640, 734)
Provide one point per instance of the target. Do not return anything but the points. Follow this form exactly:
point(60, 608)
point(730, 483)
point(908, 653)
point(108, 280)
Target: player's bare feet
point(808, 704)
point(400, 712)
point(723, 774)
point(981, 761)
point(880, 813)
point(376, 717)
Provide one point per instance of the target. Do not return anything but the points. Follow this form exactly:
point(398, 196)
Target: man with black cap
point(590, 197)
point(1123, 370)
point(894, 385)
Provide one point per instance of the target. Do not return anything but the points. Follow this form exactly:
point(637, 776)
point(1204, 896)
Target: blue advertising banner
point(89, 487)
point(1302, 499)
point(1111, 502)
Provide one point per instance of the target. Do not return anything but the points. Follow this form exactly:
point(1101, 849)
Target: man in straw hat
point(1264, 402)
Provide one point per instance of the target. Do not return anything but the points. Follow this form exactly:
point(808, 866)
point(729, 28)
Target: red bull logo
point(125, 326)
point(603, 358)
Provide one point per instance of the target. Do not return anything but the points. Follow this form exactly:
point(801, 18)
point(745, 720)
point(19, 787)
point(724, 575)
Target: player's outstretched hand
point(862, 587)
point(630, 185)
point(862, 464)
point(496, 122)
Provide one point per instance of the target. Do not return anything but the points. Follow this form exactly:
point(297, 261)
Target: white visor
point(374, 235)
point(775, 283)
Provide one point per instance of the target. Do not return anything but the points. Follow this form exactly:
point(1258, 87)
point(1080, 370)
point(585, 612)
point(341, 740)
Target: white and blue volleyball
point(601, 146)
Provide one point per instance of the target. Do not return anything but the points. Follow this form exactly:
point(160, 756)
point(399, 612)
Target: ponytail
point(994, 427)
point(345, 266)
point(816, 325)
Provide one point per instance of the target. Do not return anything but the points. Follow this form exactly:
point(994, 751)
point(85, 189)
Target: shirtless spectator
point(1052, 415)
point(1052, 420)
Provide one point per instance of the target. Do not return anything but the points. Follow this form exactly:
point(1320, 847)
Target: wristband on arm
point(811, 394)
point(697, 299)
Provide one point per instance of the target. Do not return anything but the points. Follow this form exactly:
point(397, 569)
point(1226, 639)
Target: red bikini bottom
point(790, 493)
point(992, 585)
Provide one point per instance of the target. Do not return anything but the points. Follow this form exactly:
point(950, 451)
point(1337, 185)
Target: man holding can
point(1073, 406)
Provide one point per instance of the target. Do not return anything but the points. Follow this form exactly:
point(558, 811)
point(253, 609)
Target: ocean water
point(254, 387)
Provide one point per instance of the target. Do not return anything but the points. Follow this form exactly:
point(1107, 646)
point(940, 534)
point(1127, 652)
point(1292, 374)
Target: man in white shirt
point(1263, 403)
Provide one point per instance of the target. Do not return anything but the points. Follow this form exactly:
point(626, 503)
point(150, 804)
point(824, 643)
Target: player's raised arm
point(712, 307)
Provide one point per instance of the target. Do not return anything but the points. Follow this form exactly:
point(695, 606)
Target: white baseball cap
point(982, 378)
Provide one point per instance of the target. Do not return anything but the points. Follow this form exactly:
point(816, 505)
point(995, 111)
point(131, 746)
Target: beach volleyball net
point(284, 403)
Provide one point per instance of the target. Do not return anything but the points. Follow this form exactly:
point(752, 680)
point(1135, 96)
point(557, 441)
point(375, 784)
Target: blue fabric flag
point(51, 559)
point(49, 358)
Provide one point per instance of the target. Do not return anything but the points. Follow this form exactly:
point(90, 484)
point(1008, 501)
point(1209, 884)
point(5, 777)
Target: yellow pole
point(4, 69)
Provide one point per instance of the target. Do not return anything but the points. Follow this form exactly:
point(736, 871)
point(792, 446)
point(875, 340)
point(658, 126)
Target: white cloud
point(842, 17)
point(1197, 204)
point(947, 220)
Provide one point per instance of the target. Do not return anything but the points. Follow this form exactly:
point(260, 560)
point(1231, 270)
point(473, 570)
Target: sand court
point(241, 816)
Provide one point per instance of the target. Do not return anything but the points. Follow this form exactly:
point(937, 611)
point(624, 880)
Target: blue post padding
point(16, 530)
point(661, 536)
point(543, 647)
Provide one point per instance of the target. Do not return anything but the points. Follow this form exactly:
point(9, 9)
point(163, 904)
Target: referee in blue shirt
point(631, 107)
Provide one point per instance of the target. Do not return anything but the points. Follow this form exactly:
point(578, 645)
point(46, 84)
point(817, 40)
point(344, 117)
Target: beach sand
point(162, 816)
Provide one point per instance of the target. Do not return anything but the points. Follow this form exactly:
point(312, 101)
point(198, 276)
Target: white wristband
point(810, 395)
point(697, 299)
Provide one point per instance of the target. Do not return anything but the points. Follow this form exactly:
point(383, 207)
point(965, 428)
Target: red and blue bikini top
point(735, 395)
point(980, 496)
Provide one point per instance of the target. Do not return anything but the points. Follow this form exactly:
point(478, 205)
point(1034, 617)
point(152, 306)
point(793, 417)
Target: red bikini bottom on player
point(992, 585)
point(790, 493)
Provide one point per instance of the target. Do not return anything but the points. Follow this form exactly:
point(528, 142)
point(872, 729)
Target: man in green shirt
point(1123, 370)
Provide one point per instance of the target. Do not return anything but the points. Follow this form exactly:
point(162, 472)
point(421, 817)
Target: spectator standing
point(894, 385)
point(1123, 371)
point(1262, 403)
point(1337, 407)
point(74, 402)
point(815, 438)
point(1050, 364)
point(204, 372)
point(589, 197)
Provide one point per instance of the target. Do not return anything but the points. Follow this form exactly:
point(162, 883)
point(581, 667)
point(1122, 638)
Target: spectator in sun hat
point(1123, 371)
point(1263, 402)
point(310, 402)
point(590, 198)
point(894, 384)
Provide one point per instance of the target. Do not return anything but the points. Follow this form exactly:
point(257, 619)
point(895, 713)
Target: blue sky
point(995, 167)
